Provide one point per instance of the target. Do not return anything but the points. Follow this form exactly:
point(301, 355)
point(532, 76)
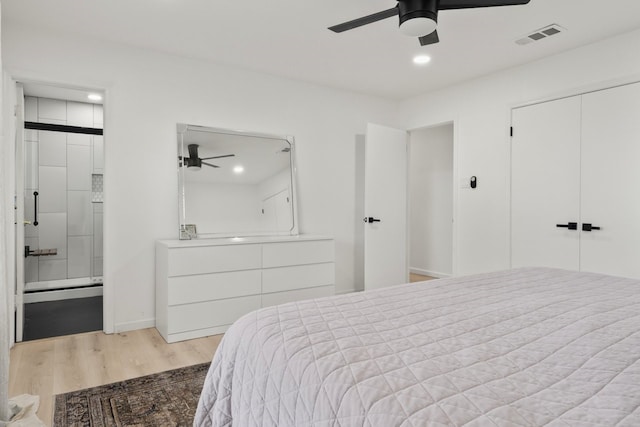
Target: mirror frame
point(293, 231)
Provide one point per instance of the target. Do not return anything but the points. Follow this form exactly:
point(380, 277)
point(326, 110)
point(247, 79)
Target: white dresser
point(203, 286)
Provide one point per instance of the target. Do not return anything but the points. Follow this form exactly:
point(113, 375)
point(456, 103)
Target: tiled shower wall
point(60, 166)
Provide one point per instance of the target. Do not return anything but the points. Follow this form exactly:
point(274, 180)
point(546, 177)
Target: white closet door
point(545, 184)
point(611, 181)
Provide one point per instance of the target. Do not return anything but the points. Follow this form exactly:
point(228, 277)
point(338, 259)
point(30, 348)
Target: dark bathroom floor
point(66, 317)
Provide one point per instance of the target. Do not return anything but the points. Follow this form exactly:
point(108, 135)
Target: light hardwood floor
point(59, 365)
point(419, 278)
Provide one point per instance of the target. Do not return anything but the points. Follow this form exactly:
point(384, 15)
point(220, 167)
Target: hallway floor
point(419, 278)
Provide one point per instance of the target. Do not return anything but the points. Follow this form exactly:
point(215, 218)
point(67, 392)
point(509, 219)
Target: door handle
point(35, 208)
point(570, 225)
point(588, 227)
point(371, 220)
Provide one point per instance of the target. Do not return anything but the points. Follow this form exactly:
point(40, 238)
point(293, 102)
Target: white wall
point(147, 94)
point(223, 207)
point(275, 184)
point(358, 175)
point(481, 111)
point(431, 201)
point(5, 301)
point(275, 197)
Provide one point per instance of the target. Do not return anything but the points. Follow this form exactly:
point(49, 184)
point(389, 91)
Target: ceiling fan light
point(193, 164)
point(418, 27)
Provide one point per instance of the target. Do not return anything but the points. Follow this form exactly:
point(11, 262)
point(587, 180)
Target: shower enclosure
point(63, 203)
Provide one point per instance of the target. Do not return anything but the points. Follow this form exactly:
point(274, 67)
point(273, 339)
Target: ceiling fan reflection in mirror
point(194, 163)
point(419, 18)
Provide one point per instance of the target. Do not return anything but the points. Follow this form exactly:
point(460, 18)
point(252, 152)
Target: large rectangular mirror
point(234, 183)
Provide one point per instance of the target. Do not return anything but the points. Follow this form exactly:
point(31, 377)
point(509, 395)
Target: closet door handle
point(371, 220)
point(589, 227)
point(35, 208)
point(570, 225)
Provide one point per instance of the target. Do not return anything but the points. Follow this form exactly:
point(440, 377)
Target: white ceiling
point(290, 37)
point(261, 157)
point(57, 92)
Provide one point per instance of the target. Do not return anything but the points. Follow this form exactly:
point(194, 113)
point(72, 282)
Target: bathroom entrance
point(59, 183)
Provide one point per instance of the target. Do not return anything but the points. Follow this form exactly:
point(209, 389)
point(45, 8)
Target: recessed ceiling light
point(238, 169)
point(94, 97)
point(421, 59)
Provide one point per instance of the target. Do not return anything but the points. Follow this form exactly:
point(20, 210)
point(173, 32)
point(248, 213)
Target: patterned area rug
point(165, 399)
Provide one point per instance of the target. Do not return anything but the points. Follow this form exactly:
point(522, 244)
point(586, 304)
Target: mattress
point(525, 347)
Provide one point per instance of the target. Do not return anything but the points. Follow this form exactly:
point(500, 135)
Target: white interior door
point(385, 199)
point(283, 210)
point(545, 185)
point(611, 181)
point(20, 217)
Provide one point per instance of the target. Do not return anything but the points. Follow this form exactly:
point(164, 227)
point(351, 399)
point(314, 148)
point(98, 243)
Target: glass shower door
point(63, 195)
point(62, 198)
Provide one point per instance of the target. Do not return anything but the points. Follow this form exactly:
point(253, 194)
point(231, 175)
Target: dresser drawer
point(297, 277)
point(301, 294)
point(213, 259)
point(204, 287)
point(297, 253)
point(189, 317)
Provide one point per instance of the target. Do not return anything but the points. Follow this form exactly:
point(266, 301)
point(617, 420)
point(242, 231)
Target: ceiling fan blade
point(469, 4)
point(217, 157)
point(370, 19)
point(209, 164)
point(193, 151)
point(429, 39)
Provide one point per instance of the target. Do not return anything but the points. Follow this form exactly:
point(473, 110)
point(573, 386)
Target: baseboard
point(132, 326)
point(347, 291)
point(428, 273)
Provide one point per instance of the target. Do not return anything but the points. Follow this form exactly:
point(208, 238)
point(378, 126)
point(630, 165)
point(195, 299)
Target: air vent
point(542, 33)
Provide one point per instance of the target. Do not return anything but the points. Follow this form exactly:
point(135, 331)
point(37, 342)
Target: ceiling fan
point(419, 18)
point(194, 162)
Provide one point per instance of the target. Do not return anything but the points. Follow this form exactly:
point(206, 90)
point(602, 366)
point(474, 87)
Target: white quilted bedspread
point(528, 347)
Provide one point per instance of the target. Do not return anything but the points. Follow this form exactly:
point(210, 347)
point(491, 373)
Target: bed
point(525, 347)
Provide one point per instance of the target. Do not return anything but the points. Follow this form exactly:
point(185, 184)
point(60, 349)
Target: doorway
point(430, 225)
point(59, 193)
point(424, 176)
